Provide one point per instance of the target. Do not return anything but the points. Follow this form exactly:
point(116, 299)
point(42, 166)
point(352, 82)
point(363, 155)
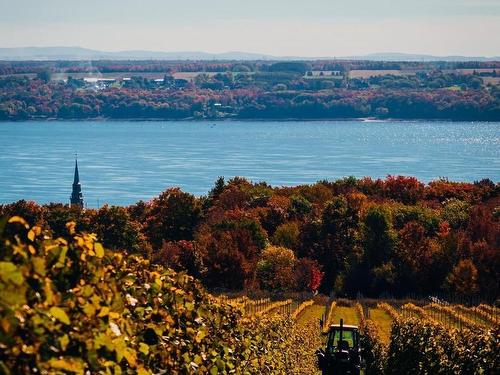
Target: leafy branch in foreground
point(69, 305)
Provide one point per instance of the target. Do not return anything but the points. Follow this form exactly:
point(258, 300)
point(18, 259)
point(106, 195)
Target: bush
point(67, 305)
point(373, 349)
point(423, 347)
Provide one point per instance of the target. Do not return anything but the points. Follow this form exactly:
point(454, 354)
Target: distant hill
point(395, 56)
point(79, 53)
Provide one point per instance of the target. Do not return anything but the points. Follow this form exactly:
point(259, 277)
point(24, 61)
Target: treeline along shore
point(393, 236)
point(249, 90)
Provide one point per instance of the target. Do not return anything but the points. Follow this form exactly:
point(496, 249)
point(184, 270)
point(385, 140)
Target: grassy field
point(384, 323)
point(312, 312)
point(349, 315)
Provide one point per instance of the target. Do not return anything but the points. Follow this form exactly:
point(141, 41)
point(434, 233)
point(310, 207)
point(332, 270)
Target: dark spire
point(76, 180)
point(76, 198)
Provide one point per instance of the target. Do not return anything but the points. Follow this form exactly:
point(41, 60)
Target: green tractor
point(342, 354)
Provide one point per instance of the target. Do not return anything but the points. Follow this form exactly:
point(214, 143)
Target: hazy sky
point(276, 27)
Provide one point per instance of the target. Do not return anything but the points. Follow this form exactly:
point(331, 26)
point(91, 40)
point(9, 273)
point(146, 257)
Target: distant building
point(76, 198)
point(332, 74)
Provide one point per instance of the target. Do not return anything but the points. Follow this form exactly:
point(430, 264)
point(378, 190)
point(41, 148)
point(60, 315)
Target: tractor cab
point(342, 354)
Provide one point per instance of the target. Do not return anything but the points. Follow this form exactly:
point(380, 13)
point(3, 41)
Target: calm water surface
point(123, 162)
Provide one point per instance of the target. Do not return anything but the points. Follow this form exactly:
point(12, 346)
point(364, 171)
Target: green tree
point(44, 75)
point(339, 228)
point(173, 216)
point(287, 235)
point(57, 215)
point(114, 226)
point(455, 212)
point(379, 242)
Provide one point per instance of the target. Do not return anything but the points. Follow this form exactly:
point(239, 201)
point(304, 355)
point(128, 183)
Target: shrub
point(69, 305)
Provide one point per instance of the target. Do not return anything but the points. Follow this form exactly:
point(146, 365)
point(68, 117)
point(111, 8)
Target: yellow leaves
point(158, 282)
point(70, 364)
point(104, 312)
point(19, 249)
point(31, 249)
point(5, 324)
point(49, 294)
point(88, 246)
point(20, 220)
point(12, 287)
point(62, 257)
point(39, 265)
point(63, 342)
point(200, 335)
point(59, 314)
point(120, 347)
point(190, 331)
point(144, 348)
point(61, 241)
point(28, 349)
point(34, 232)
point(130, 356)
point(70, 226)
point(125, 315)
point(10, 274)
point(89, 310)
point(103, 340)
point(87, 291)
point(99, 250)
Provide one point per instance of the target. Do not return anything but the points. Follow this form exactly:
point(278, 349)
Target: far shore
point(237, 119)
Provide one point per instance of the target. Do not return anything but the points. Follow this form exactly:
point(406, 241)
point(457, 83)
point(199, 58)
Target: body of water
point(123, 162)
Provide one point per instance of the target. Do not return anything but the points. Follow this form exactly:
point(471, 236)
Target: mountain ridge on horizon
point(80, 53)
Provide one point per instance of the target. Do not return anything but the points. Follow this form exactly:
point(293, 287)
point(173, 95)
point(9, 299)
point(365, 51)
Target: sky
point(311, 28)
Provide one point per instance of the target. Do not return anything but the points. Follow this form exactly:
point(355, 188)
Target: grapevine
point(329, 318)
point(389, 310)
point(301, 308)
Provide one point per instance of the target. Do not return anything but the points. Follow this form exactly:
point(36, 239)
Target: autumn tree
point(173, 216)
point(455, 212)
point(231, 249)
point(275, 269)
point(117, 230)
point(181, 256)
point(407, 190)
point(413, 259)
point(56, 216)
point(28, 210)
point(308, 275)
point(462, 280)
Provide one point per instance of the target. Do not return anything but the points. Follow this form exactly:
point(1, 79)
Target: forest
point(249, 90)
point(386, 237)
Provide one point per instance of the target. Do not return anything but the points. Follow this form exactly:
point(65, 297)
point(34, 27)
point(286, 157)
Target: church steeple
point(76, 198)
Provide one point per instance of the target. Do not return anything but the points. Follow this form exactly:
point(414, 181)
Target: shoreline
point(234, 119)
